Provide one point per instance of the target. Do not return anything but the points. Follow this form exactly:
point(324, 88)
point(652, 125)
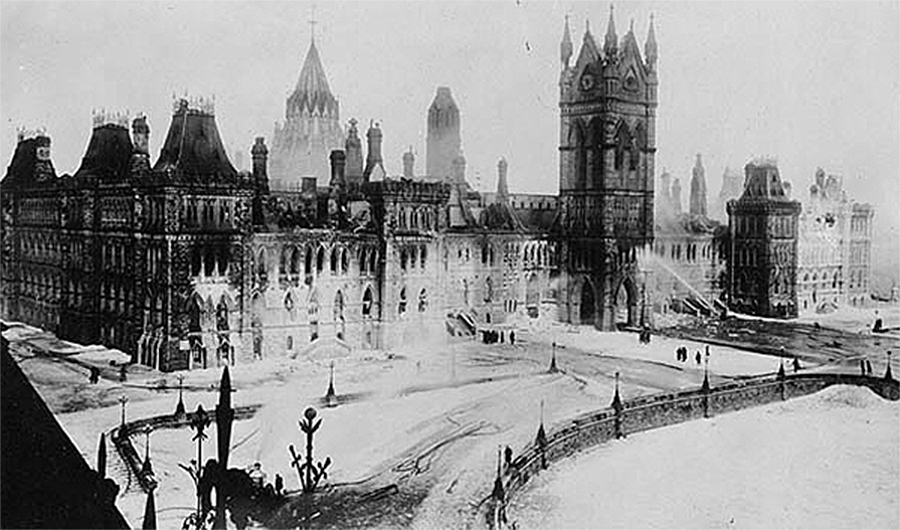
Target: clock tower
point(607, 146)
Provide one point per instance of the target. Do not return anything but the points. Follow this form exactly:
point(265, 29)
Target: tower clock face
point(587, 82)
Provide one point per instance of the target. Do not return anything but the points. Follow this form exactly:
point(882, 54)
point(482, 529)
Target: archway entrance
point(588, 305)
point(532, 296)
point(625, 308)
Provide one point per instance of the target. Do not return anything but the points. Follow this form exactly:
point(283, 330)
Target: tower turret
point(409, 163)
point(374, 164)
point(698, 189)
point(459, 169)
point(140, 132)
point(676, 197)
point(502, 185)
point(353, 150)
point(443, 142)
point(260, 154)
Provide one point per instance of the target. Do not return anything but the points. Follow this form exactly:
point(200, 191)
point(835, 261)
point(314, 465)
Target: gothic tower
point(698, 190)
point(311, 130)
point(443, 144)
point(762, 224)
point(607, 148)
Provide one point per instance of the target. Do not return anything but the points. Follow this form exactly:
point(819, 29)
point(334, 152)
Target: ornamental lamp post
point(123, 399)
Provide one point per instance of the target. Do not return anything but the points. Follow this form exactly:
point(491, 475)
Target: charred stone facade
point(607, 148)
point(762, 226)
point(834, 247)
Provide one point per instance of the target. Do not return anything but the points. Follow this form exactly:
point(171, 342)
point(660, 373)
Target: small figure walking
point(122, 374)
point(698, 357)
point(279, 484)
point(796, 365)
point(508, 454)
point(868, 367)
point(512, 337)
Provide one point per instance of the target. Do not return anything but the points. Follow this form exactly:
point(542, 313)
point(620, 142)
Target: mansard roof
point(193, 146)
point(26, 166)
point(312, 93)
point(108, 153)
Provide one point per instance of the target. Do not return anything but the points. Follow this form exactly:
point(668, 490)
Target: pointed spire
point(617, 401)
point(149, 512)
point(101, 456)
point(650, 50)
point(565, 47)
point(610, 44)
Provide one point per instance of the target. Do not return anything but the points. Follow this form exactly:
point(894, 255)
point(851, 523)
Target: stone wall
point(658, 410)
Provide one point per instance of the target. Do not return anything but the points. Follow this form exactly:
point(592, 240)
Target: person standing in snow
point(796, 365)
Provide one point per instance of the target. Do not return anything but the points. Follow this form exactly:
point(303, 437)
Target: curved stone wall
point(654, 411)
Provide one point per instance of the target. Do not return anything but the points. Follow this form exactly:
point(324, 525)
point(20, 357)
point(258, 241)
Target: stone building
point(607, 148)
point(443, 143)
point(187, 262)
point(834, 242)
point(762, 231)
point(732, 185)
point(311, 130)
point(687, 261)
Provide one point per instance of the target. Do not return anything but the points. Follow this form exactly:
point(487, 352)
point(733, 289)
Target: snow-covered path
point(828, 460)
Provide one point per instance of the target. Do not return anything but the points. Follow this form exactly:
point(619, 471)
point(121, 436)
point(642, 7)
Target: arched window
point(334, 260)
point(320, 259)
point(403, 259)
point(412, 257)
point(423, 253)
point(308, 269)
point(401, 307)
point(223, 261)
point(423, 301)
point(623, 144)
point(362, 260)
point(261, 263)
point(295, 261)
point(367, 303)
point(345, 262)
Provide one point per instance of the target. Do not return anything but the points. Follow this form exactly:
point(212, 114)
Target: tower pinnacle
point(650, 51)
point(565, 47)
point(610, 45)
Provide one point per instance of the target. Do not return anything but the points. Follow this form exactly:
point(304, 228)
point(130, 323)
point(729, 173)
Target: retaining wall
point(658, 410)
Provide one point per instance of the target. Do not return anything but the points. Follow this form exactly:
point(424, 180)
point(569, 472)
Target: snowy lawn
point(828, 460)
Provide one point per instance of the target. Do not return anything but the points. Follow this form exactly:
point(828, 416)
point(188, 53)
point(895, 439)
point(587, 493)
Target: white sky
point(812, 83)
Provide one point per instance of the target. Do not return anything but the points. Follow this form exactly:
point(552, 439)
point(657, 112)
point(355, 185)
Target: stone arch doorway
point(532, 296)
point(340, 323)
point(588, 308)
point(256, 325)
point(625, 304)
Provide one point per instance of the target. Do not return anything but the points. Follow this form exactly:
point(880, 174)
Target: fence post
point(617, 407)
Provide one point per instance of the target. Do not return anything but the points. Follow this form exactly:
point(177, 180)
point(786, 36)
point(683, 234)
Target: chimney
point(353, 151)
point(260, 155)
point(374, 136)
point(459, 169)
point(338, 161)
point(140, 132)
point(409, 163)
point(502, 185)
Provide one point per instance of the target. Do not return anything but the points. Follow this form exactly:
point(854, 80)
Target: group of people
point(492, 336)
point(681, 354)
point(865, 367)
point(644, 336)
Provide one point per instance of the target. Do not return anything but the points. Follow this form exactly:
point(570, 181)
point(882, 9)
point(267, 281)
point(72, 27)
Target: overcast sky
point(812, 83)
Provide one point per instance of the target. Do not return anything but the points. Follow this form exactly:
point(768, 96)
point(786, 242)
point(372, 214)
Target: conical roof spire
point(312, 93)
point(565, 47)
point(650, 50)
point(610, 44)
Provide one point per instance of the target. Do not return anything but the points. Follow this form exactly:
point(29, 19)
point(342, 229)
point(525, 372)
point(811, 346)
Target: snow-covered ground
point(447, 405)
point(828, 460)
